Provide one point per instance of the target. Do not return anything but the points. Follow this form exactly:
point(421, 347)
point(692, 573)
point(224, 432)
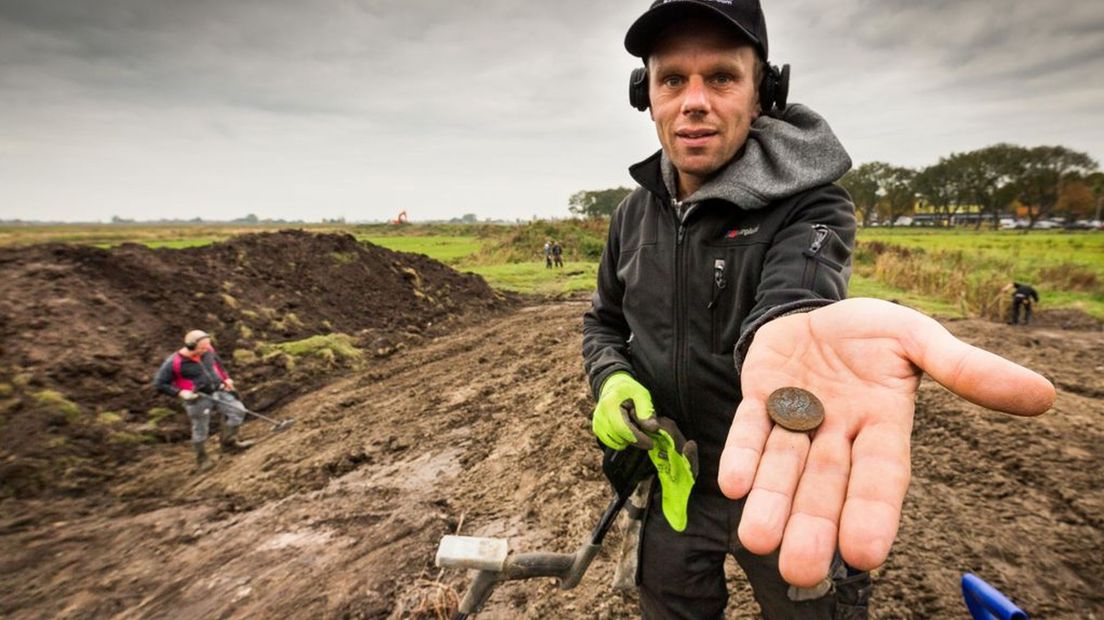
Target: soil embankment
point(83, 329)
point(485, 431)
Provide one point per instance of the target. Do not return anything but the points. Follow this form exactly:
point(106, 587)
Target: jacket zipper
point(719, 282)
point(820, 233)
point(680, 317)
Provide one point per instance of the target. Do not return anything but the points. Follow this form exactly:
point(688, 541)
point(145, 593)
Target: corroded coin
point(795, 409)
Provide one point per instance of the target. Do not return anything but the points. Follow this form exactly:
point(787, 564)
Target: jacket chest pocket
point(720, 283)
point(825, 250)
point(732, 272)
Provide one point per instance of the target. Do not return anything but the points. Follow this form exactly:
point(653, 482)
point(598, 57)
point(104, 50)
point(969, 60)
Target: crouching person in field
point(196, 376)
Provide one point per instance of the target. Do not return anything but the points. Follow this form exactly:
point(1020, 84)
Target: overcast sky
point(305, 109)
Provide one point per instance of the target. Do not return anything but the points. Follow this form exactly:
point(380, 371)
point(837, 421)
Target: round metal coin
point(795, 409)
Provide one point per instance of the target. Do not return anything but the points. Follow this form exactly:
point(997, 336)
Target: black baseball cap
point(745, 15)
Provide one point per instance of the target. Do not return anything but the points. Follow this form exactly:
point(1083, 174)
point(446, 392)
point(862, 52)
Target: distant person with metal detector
point(1024, 296)
point(557, 254)
point(196, 376)
point(720, 283)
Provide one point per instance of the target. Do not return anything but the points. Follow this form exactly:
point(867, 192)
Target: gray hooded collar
point(784, 156)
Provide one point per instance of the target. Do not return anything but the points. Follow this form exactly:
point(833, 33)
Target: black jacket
point(678, 300)
point(1025, 291)
point(179, 372)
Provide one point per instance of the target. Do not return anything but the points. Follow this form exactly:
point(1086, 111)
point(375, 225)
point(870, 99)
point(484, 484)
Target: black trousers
point(1021, 301)
point(682, 573)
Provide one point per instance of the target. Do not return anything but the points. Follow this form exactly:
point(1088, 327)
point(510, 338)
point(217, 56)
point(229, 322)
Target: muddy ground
point(83, 329)
point(483, 430)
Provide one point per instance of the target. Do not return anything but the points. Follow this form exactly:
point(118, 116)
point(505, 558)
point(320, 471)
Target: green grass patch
point(157, 414)
point(57, 401)
point(331, 348)
point(536, 278)
point(1033, 255)
point(449, 250)
point(862, 286)
point(180, 244)
point(130, 439)
point(109, 417)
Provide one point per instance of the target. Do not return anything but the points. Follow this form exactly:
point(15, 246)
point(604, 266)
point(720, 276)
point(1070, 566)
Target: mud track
point(485, 431)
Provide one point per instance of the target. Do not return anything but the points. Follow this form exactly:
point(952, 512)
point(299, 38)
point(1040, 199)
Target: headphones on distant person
point(774, 88)
point(192, 340)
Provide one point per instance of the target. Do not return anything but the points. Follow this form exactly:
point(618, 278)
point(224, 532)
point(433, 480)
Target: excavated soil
point(83, 329)
point(484, 431)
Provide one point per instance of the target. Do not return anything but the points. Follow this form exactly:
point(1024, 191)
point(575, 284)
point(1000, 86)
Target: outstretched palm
point(842, 486)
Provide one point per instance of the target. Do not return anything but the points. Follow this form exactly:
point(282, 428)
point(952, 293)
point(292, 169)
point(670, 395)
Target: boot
point(202, 462)
point(229, 444)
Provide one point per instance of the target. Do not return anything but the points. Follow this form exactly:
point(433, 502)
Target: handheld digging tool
point(277, 425)
point(492, 558)
point(986, 602)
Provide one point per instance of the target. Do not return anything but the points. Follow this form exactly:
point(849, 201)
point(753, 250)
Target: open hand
point(842, 486)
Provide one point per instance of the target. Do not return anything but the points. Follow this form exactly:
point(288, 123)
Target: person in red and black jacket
point(195, 375)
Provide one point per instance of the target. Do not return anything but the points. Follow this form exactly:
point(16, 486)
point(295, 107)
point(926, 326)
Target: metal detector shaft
point(625, 469)
point(243, 410)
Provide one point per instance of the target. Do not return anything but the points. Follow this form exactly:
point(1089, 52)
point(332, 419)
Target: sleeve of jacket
point(808, 264)
point(605, 331)
point(163, 380)
point(216, 363)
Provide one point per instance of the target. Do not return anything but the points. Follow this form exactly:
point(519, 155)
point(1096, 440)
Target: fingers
point(746, 438)
point(977, 375)
point(767, 508)
point(639, 439)
point(810, 539)
point(875, 492)
point(642, 417)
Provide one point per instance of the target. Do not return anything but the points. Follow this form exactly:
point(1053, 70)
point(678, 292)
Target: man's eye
point(723, 79)
point(672, 81)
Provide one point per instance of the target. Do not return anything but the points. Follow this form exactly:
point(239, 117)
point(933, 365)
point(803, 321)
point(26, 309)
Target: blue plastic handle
point(986, 602)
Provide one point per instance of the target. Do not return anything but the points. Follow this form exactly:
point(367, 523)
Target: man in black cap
point(719, 283)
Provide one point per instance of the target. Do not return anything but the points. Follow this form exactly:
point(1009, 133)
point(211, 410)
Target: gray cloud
point(361, 107)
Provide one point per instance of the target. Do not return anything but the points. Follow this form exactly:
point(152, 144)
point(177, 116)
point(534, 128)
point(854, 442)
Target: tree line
point(1033, 183)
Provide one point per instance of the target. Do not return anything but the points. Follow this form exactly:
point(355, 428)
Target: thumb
point(644, 417)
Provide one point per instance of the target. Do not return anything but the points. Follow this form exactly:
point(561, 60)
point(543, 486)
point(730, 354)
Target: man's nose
point(695, 98)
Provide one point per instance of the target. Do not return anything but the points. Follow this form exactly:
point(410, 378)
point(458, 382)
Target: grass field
point(943, 272)
point(966, 270)
point(448, 250)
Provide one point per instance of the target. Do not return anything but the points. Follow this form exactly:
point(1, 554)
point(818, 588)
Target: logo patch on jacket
point(742, 232)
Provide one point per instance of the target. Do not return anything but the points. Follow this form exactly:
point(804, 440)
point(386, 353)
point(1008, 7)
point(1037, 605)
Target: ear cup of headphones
point(774, 88)
point(638, 89)
point(782, 89)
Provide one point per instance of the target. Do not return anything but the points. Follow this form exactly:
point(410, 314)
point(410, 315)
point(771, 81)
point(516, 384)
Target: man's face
point(703, 98)
point(203, 346)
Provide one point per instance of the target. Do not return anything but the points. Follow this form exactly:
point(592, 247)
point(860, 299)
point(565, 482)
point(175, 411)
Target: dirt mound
point(1066, 319)
point(83, 329)
point(485, 431)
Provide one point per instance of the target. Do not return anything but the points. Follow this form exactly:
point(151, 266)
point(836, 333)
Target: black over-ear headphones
point(774, 88)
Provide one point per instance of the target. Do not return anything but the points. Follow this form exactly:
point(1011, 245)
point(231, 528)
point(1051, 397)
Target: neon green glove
point(624, 416)
point(676, 463)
